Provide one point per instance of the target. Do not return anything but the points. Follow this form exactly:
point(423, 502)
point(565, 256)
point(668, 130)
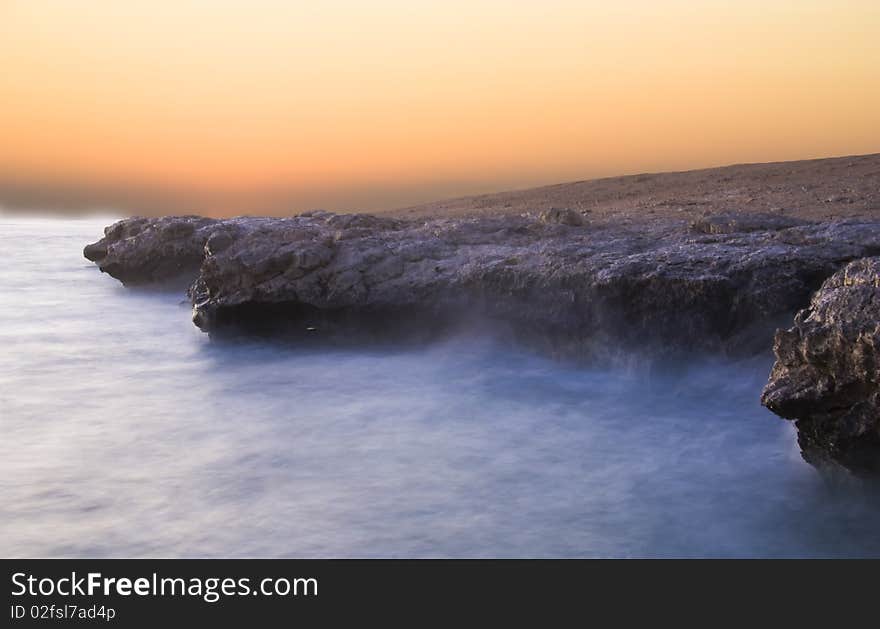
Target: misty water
point(127, 432)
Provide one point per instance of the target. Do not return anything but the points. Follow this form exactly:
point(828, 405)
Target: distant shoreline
point(814, 189)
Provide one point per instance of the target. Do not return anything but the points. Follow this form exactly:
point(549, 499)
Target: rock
point(144, 251)
point(827, 372)
point(95, 252)
point(574, 292)
point(732, 223)
point(218, 241)
point(563, 216)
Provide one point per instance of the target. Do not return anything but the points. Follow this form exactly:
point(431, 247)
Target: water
point(126, 432)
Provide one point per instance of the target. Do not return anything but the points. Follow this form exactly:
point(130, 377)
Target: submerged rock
point(573, 288)
point(827, 372)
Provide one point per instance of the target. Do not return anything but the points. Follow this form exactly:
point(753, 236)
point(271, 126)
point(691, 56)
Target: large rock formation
point(720, 284)
point(152, 250)
point(827, 372)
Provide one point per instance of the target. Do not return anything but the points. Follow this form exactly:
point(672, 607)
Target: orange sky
point(258, 105)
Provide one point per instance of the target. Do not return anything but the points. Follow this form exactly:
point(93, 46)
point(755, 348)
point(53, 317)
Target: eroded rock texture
point(559, 281)
point(827, 372)
point(554, 279)
point(139, 251)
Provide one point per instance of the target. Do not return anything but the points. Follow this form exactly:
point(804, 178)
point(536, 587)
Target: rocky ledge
point(827, 372)
point(151, 251)
point(557, 280)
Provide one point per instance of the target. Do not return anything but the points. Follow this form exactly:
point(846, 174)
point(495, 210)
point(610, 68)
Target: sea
point(127, 432)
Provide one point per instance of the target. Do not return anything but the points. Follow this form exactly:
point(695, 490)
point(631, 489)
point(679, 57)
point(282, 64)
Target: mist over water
point(127, 432)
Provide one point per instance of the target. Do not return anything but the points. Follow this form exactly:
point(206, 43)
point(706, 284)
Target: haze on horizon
point(234, 106)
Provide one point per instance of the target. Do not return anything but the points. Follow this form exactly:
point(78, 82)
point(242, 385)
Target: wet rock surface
point(827, 372)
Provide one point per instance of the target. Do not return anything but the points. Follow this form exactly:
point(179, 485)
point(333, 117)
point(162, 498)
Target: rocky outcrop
point(563, 216)
point(150, 250)
point(554, 279)
point(738, 222)
point(557, 280)
point(827, 372)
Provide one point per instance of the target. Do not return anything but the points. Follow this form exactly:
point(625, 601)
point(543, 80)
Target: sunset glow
point(238, 106)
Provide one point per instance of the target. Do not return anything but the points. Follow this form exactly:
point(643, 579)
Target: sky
point(271, 106)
